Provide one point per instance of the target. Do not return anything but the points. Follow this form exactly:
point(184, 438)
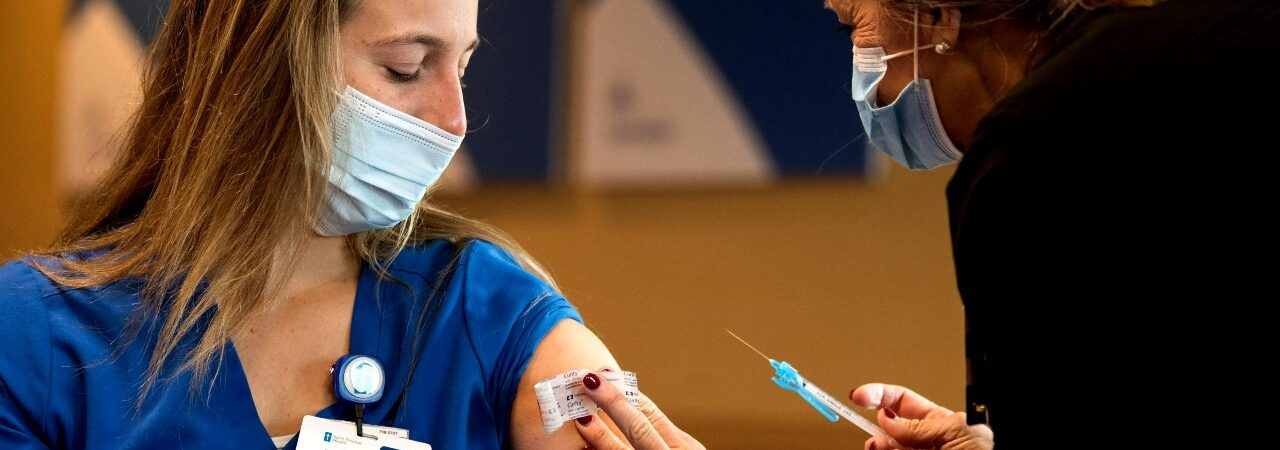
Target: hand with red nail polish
point(643, 428)
point(915, 422)
point(591, 381)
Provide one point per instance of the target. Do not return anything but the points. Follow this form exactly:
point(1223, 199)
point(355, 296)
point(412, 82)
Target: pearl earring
point(943, 48)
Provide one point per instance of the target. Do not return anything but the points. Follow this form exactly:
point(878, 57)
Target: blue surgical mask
point(385, 160)
point(909, 130)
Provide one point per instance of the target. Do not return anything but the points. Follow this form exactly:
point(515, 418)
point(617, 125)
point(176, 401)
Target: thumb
point(922, 433)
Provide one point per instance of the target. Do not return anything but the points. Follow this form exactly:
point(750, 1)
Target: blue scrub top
point(59, 389)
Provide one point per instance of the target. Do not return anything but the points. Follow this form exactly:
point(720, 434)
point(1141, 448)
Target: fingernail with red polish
point(584, 420)
point(851, 391)
point(888, 412)
point(591, 381)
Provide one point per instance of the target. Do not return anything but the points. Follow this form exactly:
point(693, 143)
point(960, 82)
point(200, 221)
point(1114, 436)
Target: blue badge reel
point(360, 380)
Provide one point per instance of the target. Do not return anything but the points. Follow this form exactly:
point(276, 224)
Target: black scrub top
point(1106, 225)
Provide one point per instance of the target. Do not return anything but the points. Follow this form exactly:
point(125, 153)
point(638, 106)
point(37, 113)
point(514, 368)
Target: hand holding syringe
point(789, 378)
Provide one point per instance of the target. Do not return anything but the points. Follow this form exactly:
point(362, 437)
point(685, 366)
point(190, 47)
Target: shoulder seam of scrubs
point(466, 314)
point(39, 281)
point(46, 288)
point(402, 272)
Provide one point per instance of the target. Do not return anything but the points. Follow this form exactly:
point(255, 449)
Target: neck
point(991, 61)
point(1003, 61)
point(323, 260)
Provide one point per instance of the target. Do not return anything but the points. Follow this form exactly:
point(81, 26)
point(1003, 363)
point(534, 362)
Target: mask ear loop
point(942, 48)
point(915, 42)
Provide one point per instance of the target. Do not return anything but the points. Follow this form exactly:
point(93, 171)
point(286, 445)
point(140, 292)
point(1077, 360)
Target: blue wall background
point(784, 60)
point(791, 69)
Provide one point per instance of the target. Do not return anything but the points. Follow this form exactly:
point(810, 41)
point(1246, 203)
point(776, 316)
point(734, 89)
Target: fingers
point(598, 435)
point(646, 427)
point(910, 432)
point(634, 424)
point(949, 431)
point(660, 422)
point(900, 400)
point(671, 434)
point(882, 442)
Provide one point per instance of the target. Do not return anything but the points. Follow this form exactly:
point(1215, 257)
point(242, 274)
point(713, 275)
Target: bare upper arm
point(568, 346)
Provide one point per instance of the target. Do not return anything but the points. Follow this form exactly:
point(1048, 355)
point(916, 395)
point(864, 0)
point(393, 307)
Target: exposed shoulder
point(543, 335)
point(509, 314)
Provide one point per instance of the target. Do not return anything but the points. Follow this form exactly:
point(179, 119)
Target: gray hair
point(1044, 18)
point(1036, 13)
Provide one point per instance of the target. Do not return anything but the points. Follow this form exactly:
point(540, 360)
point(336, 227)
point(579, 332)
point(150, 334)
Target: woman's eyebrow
point(425, 39)
point(411, 38)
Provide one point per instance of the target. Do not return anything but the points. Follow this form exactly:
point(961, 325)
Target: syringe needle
point(753, 348)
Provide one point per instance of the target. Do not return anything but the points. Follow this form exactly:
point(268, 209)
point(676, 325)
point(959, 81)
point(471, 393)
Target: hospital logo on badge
point(328, 437)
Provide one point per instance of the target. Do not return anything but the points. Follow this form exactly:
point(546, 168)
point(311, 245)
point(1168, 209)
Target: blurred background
point(682, 167)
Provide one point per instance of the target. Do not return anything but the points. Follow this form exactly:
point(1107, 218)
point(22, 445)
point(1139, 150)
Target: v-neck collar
point(365, 338)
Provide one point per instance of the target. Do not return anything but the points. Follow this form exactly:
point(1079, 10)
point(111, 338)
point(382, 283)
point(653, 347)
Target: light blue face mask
point(385, 161)
point(909, 130)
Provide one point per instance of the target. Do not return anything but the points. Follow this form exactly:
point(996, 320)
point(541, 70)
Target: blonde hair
point(220, 176)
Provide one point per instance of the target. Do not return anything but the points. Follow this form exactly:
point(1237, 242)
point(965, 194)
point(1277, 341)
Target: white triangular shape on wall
point(655, 110)
point(100, 88)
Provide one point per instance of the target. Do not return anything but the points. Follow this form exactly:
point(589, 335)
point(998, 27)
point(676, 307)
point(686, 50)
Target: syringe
point(789, 378)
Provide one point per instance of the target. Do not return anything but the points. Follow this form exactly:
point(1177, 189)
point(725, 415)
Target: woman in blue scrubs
point(266, 217)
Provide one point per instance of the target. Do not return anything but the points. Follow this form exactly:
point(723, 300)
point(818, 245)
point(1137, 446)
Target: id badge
point(325, 434)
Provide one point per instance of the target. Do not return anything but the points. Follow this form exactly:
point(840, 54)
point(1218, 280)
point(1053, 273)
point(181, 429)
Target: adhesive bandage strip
point(563, 397)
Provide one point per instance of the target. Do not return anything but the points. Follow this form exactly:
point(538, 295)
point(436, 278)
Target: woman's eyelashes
point(402, 77)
